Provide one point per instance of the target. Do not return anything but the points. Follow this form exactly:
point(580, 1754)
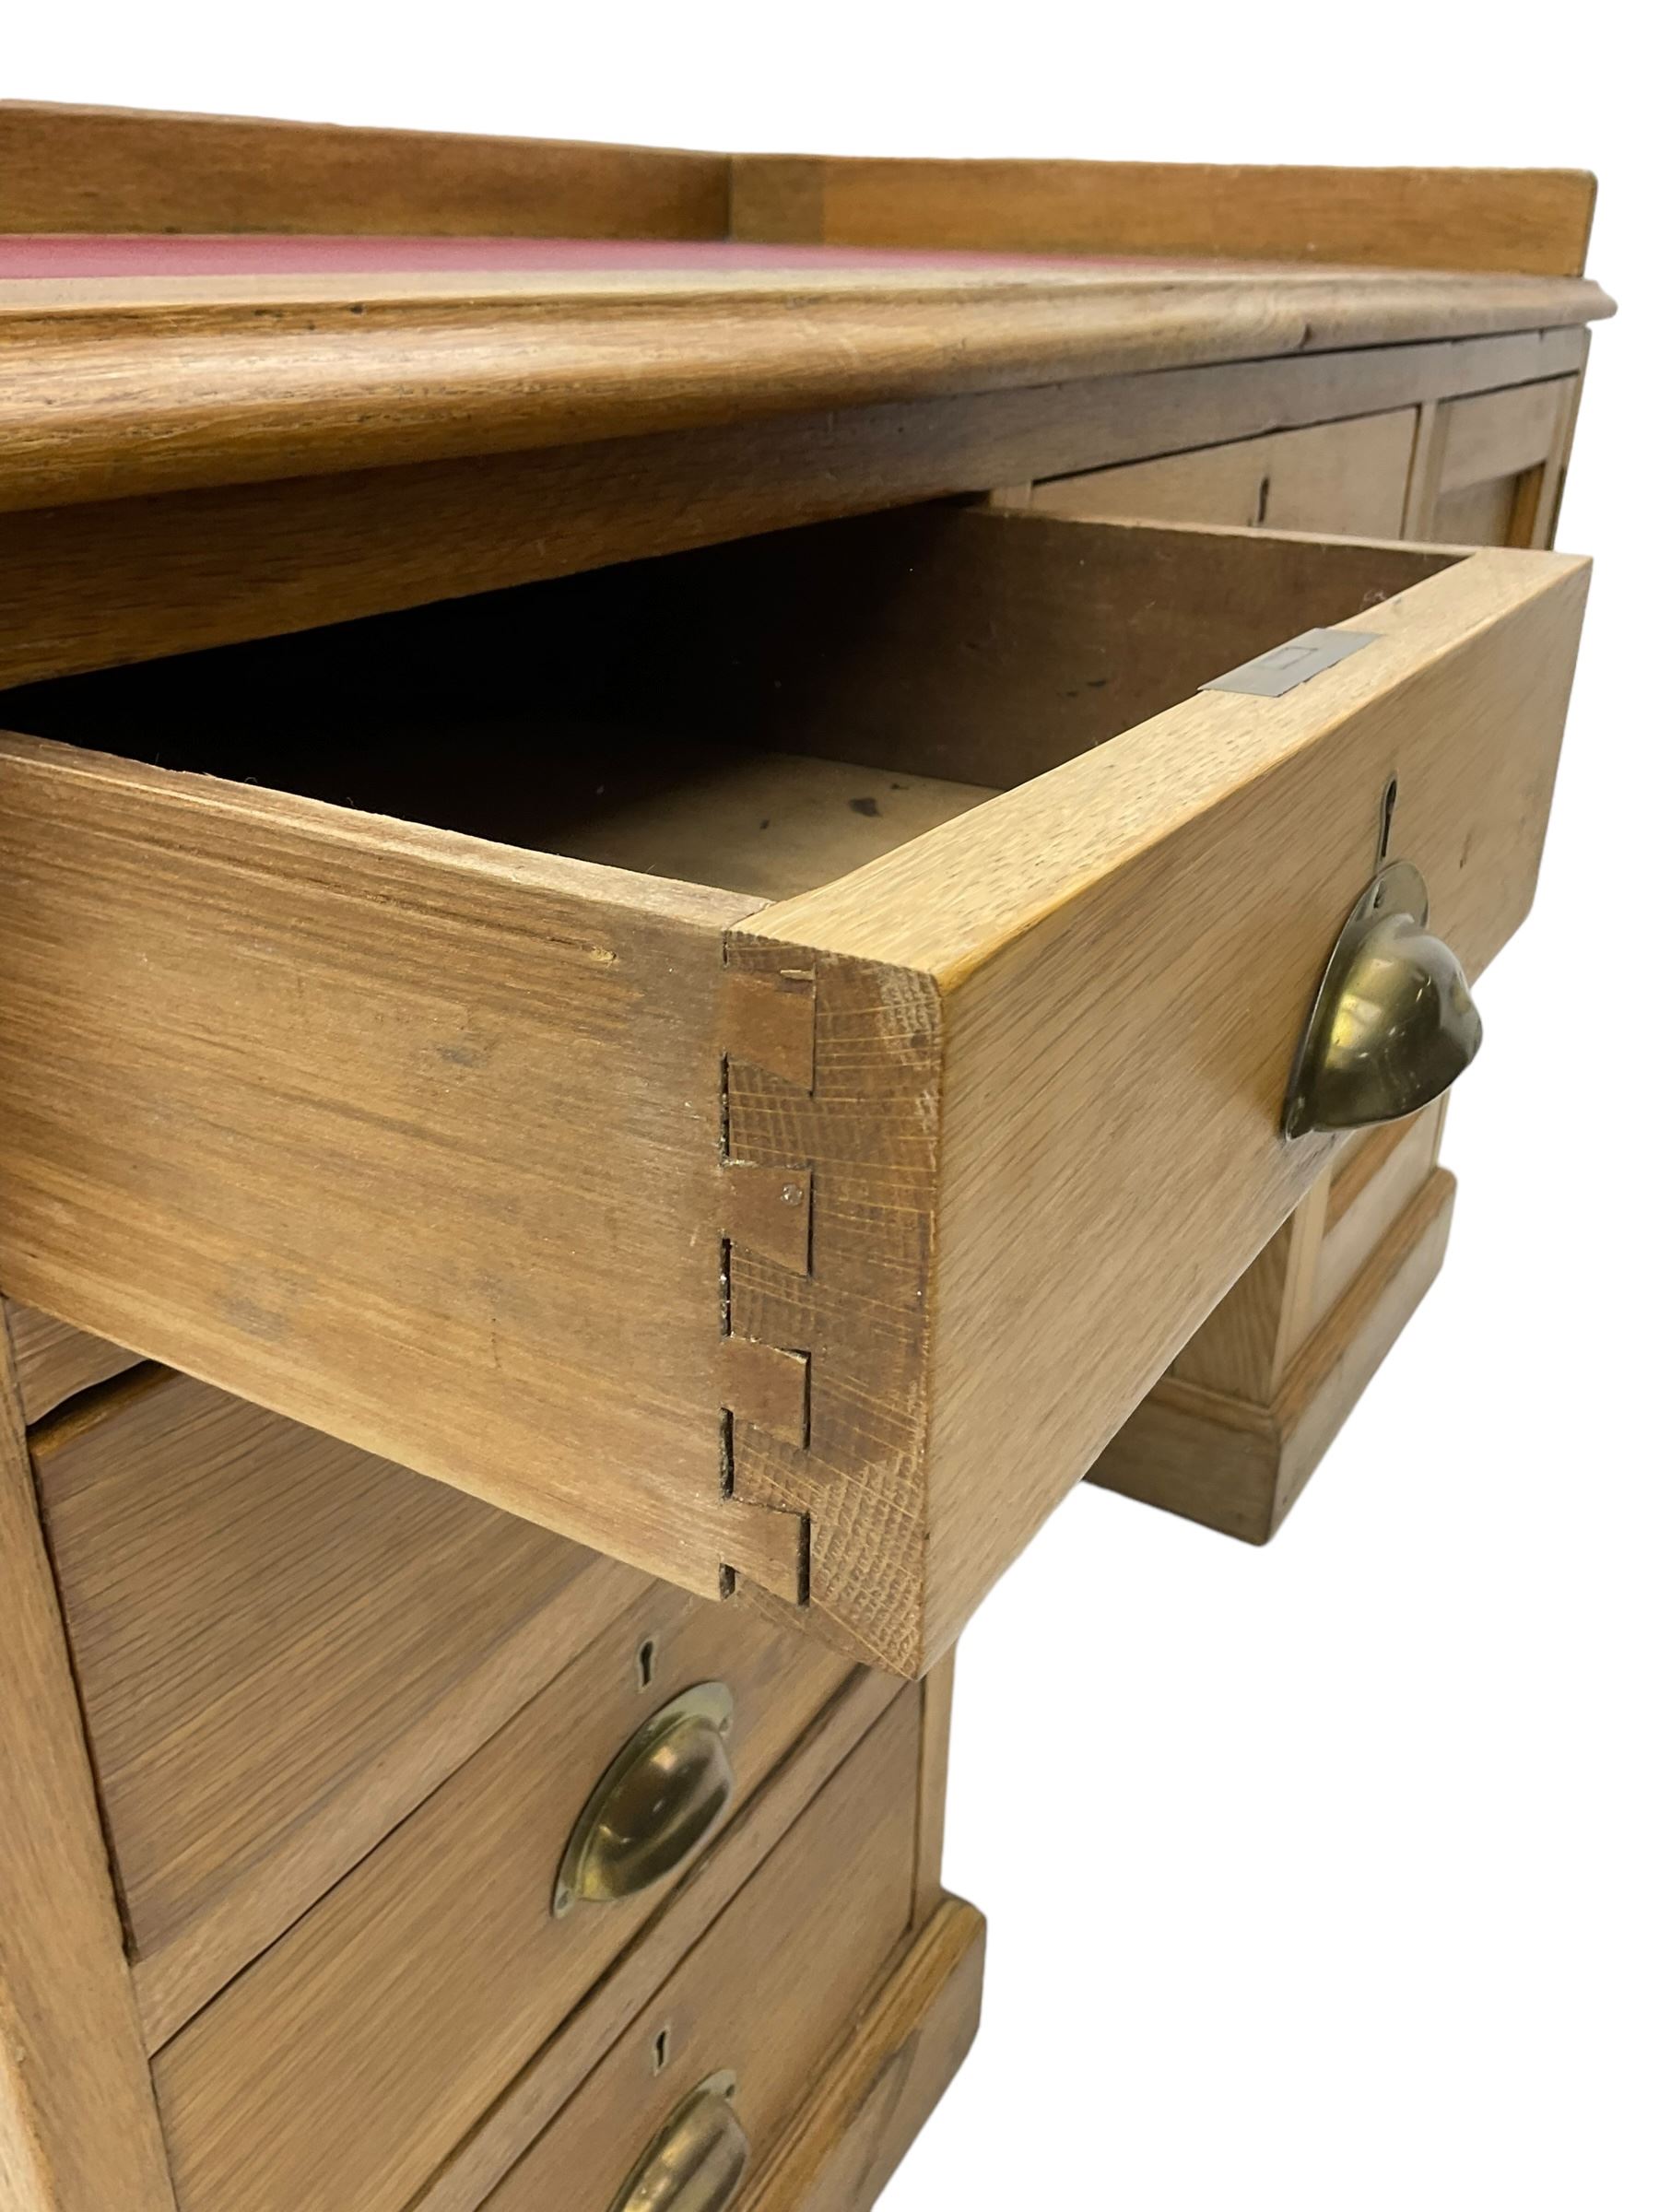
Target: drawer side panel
point(410, 1137)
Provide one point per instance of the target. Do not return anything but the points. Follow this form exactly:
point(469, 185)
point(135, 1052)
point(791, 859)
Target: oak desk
point(670, 827)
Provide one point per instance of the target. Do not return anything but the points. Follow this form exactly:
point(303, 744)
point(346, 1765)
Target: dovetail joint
point(770, 1025)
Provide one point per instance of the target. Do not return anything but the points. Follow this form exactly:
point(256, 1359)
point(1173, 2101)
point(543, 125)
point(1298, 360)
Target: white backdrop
point(1320, 1879)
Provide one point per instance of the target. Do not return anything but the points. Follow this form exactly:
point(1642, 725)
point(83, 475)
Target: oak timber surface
point(561, 2067)
point(1088, 904)
point(1114, 961)
point(76, 167)
point(78, 2130)
point(841, 2145)
point(1239, 1467)
point(1345, 478)
point(282, 1644)
point(338, 2070)
point(121, 386)
point(492, 1001)
point(80, 169)
point(769, 1992)
point(1446, 219)
point(122, 580)
point(773, 824)
point(53, 1360)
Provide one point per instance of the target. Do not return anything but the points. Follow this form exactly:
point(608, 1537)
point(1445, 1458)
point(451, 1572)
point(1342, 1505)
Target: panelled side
point(79, 2127)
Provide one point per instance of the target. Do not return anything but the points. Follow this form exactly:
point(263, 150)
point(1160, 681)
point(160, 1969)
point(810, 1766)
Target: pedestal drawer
point(282, 1646)
point(347, 2060)
point(809, 1250)
point(731, 2044)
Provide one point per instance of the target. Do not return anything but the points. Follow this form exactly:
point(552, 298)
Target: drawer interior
point(796, 1200)
point(762, 717)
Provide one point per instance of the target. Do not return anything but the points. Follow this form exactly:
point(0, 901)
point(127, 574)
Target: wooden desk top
point(350, 369)
point(136, 364)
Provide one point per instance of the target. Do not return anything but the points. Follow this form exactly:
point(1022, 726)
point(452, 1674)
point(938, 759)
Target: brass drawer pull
point(697, 2163)
point(1393, 1024)
point(655, 1804)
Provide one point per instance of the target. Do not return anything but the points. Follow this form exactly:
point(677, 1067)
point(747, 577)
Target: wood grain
point(53, 1360)
point(78, 2131)
point(1239, 1467)
point(1346, 478)
point(1498, 434)
point(844, 2142)
point(941, 1140)
point(344, 2062)
point(769, 1992)
point(772, 823)
point(1245, 1347)
point(1371, 1185)
point(1178, 1444)
point(96, 585)
point(283, 1646)
point(867, 1126)
point(80, 169)
point(291, 1102)
point(988, 649)
point(1494, 464)
point(938, 1693)
point(117, 389)
point(1227, 1436)
point(558, 2069)
point(1536, 220)
point(1164, 902)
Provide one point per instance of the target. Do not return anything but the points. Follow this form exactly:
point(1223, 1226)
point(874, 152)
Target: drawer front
point(349, 2058)
point(808, 1252)
point(1089, 993)
point(1494, 464)
point(1347, 477)
point(761, 2001)
point(283, 1645)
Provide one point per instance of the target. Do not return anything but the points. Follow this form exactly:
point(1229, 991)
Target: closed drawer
point(1349, 478)
point(1494, 465)
point(757, 2007)
point(809, 1250)
point(356, 2052)
point(282, 1646)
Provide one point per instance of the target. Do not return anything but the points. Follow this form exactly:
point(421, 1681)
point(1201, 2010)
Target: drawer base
point(1239, 1467)
point(848, 2137)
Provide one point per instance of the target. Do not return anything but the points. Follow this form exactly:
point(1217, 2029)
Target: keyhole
point(659, 2051)
point(645, 1662)
point(1385, 827)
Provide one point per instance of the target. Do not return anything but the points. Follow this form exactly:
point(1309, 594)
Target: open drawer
point(371, 1049)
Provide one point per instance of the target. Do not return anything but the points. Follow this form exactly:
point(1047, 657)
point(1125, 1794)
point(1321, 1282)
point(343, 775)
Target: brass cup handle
point(655, 1803)
point(1393, 1025)
point(697, 2163)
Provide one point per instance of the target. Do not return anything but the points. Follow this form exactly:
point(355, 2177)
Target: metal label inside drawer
point(1271, 675)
